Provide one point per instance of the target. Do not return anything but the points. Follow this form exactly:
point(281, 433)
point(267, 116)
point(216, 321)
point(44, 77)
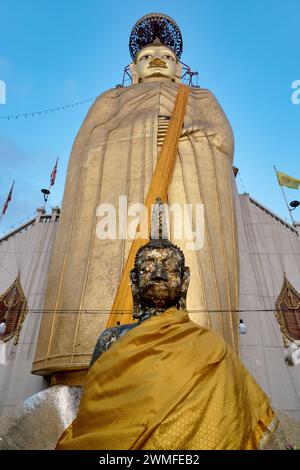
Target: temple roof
point(272, 214)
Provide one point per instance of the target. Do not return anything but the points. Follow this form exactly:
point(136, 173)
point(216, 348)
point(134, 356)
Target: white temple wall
point(28, 251)
point(268, 247)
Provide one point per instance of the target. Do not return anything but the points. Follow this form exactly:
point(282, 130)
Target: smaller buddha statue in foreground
point(158, 281)
point(166, 382)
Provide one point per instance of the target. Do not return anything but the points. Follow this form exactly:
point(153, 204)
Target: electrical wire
point(46, 111)
point(117, 312)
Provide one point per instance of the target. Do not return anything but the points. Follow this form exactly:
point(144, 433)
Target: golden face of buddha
point(155, 62)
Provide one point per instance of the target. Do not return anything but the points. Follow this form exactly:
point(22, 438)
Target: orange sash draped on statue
point(158, 188)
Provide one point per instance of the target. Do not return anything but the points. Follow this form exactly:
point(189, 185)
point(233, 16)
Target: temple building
point(25, 258)
point(269, 250)
point(59, 281)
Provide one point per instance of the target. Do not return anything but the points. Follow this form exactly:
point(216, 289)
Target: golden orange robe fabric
point(170, 384)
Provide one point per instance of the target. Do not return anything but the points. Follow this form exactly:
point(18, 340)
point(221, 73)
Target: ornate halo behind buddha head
point(152, 26)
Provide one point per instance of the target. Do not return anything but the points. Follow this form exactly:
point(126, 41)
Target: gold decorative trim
point(71, 378)
point(288, 289)
point(51, 370)
point(269, 431)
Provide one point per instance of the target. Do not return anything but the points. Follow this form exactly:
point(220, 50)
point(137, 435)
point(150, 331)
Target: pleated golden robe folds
point(170, 384)
point(114, 154)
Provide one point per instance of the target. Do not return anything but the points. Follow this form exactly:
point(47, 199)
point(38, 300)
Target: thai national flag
point(8, 199)
point(53, 174)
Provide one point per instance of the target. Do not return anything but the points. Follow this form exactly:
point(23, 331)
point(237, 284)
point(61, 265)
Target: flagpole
point(8, 199)
point(286, 201)
point(52, 181)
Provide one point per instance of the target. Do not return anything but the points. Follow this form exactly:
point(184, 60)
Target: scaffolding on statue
point(188, 76)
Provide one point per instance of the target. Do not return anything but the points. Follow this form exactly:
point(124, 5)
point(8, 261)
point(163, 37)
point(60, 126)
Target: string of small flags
point(46, 111)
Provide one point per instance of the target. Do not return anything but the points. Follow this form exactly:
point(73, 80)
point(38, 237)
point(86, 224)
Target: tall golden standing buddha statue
point(115, 154)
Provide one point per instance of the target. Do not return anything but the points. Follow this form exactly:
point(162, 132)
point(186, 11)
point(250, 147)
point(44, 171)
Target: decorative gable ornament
point(13, 307)
point(288, 317)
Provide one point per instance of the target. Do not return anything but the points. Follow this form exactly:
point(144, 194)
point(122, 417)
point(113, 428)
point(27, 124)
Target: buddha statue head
point(160, 278)
point(156, 62)
point(155, 45)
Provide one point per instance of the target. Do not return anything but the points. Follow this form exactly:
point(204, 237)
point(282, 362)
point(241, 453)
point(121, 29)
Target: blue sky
point(58, 52)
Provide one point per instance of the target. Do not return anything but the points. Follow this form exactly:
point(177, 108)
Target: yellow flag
point(288, 181)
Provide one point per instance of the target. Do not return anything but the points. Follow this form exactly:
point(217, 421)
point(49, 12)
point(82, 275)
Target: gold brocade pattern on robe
point(170, 384)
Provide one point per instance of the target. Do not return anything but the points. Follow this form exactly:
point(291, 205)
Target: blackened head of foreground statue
point(160, 278)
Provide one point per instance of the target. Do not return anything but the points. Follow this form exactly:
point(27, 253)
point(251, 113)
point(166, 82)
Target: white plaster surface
point(28, 251)
point(268, 247)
